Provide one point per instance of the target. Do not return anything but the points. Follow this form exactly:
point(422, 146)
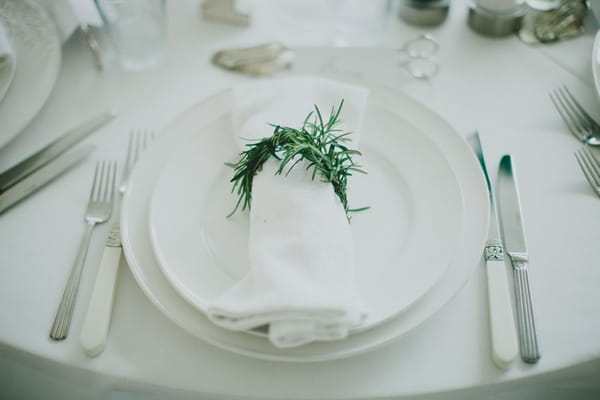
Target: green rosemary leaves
point(318, 142)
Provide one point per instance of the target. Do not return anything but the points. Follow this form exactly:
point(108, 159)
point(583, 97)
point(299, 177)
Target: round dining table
point(498, 86)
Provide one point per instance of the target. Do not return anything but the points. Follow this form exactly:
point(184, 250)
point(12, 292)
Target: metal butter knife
point(42, 176)
point(42, 157)
point(502, 323)
point(514, 241)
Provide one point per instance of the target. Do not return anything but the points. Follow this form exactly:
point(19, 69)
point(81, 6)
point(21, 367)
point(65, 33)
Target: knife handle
point(97, 319)
point(502, 323)
point(530, 352)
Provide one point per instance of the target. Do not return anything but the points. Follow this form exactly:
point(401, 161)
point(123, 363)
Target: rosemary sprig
point(318, 142)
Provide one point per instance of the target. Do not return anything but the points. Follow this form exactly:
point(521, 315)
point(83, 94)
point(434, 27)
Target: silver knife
point(42, 176)
point(514, 241)
point(502, 322)
point(14, 174)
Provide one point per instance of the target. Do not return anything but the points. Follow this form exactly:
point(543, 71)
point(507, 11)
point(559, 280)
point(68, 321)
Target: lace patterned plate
point(37, 48)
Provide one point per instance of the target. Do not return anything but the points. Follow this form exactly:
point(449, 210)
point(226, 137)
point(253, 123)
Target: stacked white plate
point(596, 62)
point(416, 246)
point(37, 52)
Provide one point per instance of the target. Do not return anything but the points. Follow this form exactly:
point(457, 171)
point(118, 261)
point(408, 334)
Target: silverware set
point(97, 318)
point(502, 323)
point(585, 129)
point(98, 211)
point(508, 212)
point(100, 207)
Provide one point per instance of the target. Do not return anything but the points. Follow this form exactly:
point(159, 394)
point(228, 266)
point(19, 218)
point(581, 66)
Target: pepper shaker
point(496, 17)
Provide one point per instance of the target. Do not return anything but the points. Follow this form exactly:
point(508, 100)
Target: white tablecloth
point(498, 86)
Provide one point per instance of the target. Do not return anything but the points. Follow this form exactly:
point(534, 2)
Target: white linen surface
point(7, 61)
point(301, 277)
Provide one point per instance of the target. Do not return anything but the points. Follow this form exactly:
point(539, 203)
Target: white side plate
point(38, 50)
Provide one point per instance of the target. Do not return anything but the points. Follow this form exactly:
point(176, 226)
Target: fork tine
point(566, 115)
point(130, 150)
point(103, 181)
point(139, 139)
point(113, 180)
point(586, 167)
point(594, 164)
point(148, 136)
point(99, 209)
point(584, 114)
point(583, 120)
point(95, 182)
point(570, 108)
point(108, 182)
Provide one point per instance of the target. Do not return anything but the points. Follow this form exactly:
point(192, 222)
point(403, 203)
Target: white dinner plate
point(37, 48)
point(403, 243)
point(8, 62)
point(144, 266)
point(596, 62)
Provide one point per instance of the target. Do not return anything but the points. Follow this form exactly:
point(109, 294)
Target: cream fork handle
point(97, 320)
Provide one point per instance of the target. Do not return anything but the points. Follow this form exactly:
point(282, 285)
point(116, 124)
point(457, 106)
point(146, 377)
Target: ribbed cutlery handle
point(62, 321)
point(530, 352)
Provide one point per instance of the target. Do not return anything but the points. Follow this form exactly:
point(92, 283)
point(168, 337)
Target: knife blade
point(41, 177)
point(502, 323)
point(514, 241)
point(37, 160)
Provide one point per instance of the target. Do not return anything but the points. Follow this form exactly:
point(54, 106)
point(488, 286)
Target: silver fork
point(97, 319)
point(590, 166)
point(98, 211)
point(579, 122)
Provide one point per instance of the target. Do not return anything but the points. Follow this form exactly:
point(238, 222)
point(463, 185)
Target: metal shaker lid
point(424, 12)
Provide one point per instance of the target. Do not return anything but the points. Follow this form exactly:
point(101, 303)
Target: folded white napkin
point(301, 277)
point(7, 62)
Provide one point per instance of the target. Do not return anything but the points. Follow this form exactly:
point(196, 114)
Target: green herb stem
point(318, 142)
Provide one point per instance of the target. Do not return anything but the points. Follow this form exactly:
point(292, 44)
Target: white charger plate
point(403, 243)
point(145, 269)
point(37, 48)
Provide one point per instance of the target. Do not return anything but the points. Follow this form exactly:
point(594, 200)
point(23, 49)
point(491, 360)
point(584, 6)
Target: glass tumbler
point(136, 30)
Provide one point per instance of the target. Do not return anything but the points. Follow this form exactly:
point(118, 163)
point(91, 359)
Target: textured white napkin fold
point(301, 277)
point(7, 62)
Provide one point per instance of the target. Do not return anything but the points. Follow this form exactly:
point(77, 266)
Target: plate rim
point(180, 285)
point(469, 256)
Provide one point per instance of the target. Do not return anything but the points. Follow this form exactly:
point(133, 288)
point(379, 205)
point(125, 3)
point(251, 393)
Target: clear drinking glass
point(136, 29)
point(358, 22)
